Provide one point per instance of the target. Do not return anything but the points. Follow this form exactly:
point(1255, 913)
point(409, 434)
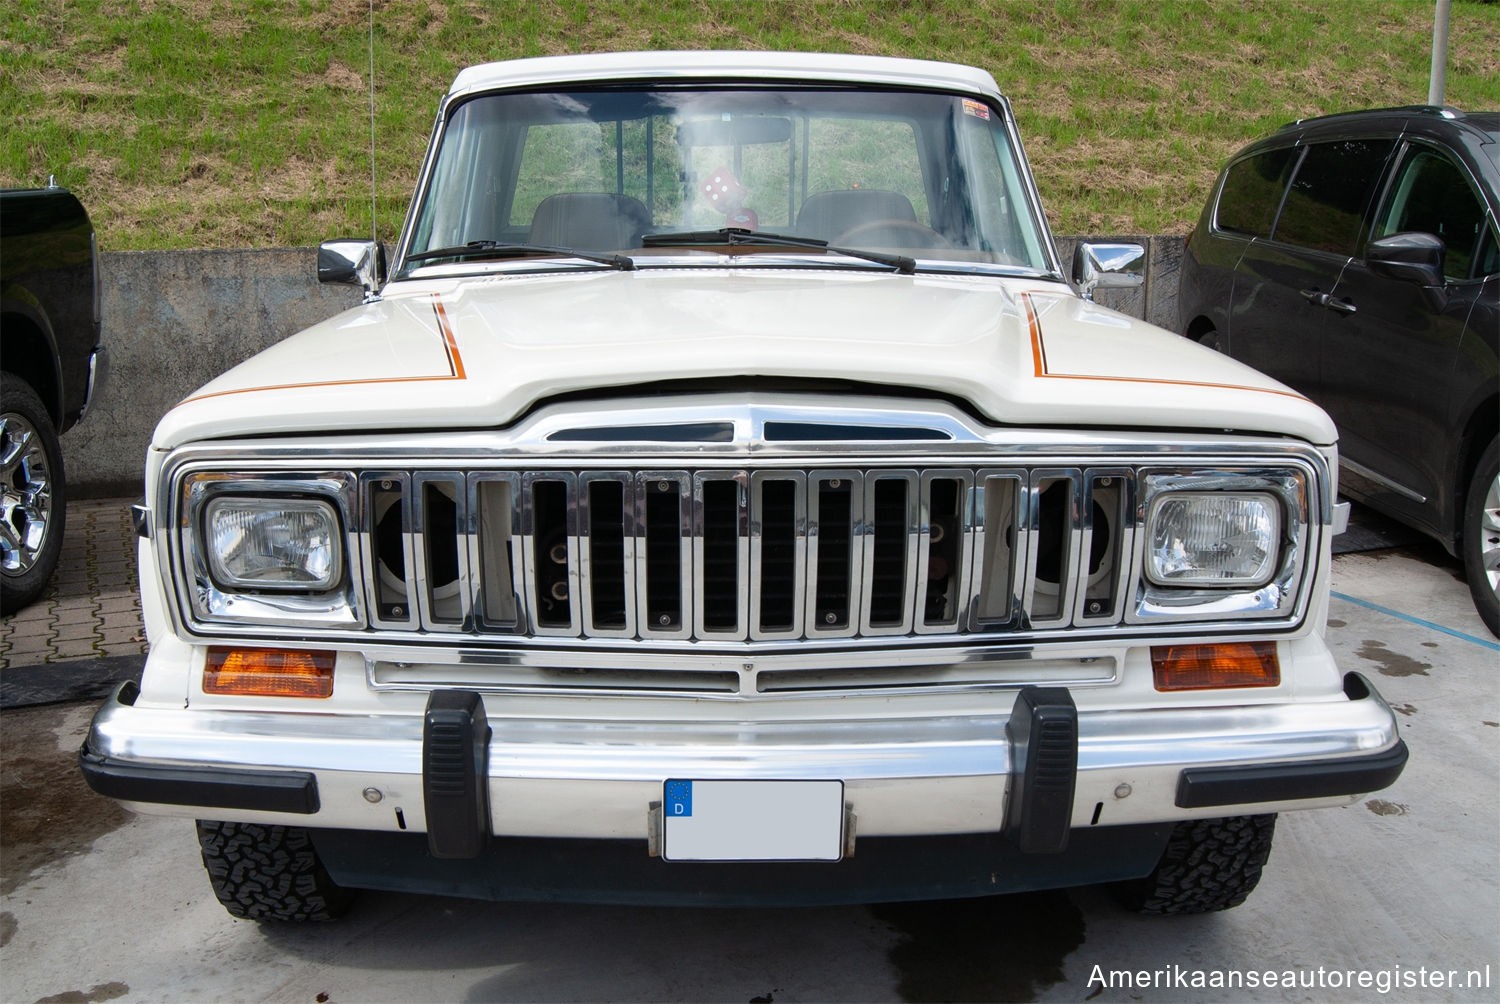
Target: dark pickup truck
point(53, 364)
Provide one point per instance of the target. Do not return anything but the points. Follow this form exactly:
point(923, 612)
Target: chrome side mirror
point(1108, 266)
point(355, 262)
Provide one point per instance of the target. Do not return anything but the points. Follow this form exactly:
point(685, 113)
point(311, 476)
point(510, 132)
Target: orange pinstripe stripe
point(1039, 359)
point(456, 369)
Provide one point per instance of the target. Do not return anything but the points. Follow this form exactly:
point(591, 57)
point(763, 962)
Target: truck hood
point(478, 353)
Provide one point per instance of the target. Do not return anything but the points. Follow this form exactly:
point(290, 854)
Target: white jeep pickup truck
point(724, 496)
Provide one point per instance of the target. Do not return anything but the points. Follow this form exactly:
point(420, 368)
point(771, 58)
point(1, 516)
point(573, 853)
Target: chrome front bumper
point(902, 777)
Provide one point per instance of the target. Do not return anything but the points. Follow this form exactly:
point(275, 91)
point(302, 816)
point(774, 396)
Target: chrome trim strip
point(1383, 481)
point(526, 443)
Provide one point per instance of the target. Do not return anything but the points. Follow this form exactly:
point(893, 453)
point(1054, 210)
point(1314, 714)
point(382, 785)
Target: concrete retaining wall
point(173, 320)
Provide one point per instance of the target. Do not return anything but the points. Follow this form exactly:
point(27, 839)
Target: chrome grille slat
point(549, 537)
point(835, 507)
point(778, 554)
point(723, 555)
point(607, 530)
point(664, 554)
point(386, 548)
point(495, 594)
point(441, 550)
point(890, 543)
point(946, 533)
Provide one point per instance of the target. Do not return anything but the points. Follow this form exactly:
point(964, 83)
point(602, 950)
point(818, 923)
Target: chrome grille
point(746, 555)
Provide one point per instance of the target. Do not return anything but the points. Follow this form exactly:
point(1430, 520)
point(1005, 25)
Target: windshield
point(932, 177)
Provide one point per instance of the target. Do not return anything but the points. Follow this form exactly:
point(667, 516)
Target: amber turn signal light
point(268, 672)
point(1209, 667)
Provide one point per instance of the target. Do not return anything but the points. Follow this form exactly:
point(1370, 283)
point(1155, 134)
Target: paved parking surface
point(92, 606)
point(1401, 890)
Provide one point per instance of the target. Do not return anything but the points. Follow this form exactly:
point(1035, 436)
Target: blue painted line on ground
point(1482, 643)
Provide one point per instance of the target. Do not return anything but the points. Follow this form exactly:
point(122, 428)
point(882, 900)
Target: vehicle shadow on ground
point(996, 948)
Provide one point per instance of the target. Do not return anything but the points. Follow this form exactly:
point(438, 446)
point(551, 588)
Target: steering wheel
point(892, 233)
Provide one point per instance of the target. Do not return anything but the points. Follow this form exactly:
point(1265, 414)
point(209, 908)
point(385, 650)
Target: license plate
point(752, 820)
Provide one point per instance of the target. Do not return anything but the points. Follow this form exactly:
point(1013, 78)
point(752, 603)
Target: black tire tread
point(1208, 865)
point(269, 873)
point(1485, 601)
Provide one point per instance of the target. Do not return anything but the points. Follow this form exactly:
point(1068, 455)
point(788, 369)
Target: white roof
point(719, 65)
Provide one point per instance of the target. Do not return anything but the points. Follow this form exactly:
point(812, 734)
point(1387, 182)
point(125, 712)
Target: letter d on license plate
point(752, 820)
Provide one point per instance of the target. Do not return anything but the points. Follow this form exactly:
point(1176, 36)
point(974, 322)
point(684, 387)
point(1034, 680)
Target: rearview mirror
point(744, 131)
point(355, 262)
point(1108, 266)
point(1409, 257)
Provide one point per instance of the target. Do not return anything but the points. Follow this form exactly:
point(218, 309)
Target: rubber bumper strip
point(213, 787)
point(1203, 787)
point(1244, 784)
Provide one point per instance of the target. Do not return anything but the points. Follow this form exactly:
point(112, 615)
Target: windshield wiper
point(505, 249)
point(739, 235)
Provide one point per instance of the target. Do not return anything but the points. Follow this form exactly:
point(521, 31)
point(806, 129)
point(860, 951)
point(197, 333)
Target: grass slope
point(228, 123)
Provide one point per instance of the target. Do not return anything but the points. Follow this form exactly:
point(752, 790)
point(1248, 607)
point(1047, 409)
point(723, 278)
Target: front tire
point(33, 495)
point(269, 872)
point(1208, 865)
point(1481, 537)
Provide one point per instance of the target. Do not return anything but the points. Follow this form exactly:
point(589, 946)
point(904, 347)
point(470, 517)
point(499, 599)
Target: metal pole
point(1439, 55)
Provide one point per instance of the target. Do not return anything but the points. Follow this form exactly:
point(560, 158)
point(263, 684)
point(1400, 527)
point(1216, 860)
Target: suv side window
point(1252, 193)
point(1326, 204)
point(1432, 195)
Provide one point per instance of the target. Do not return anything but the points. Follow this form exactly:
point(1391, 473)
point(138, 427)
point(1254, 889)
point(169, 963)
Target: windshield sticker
point(978, 109)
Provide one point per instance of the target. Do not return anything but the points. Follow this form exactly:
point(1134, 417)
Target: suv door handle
point(1327, 300)
point(1315, 297)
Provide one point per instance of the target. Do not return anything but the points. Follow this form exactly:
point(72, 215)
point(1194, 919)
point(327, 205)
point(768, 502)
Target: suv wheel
point(33, 495)
point(1482, 537)
point(1208, 865)
point(269, 872)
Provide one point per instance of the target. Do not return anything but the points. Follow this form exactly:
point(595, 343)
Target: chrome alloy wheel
point(25, 495)
point(1489, 535)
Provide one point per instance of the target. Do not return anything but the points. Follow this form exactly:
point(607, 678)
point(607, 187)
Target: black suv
point(1356, 258)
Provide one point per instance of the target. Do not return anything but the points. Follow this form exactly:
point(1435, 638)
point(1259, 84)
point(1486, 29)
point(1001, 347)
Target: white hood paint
point(479, 353)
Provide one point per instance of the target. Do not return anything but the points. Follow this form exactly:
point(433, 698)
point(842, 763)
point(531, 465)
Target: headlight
point(1214, 539)
point(273, 544)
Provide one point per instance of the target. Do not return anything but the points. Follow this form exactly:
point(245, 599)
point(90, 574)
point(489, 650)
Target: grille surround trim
point(1011, 465)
